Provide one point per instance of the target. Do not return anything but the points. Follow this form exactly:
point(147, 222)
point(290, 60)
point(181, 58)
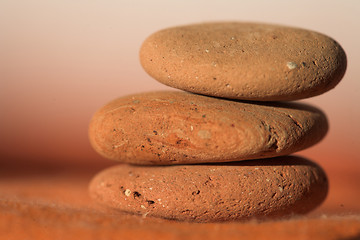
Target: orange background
point(62, 60)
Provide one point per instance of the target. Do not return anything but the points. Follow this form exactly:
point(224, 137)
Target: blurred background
point(62, 60)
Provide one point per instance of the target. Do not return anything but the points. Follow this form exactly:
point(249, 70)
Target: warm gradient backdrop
point(62, 60)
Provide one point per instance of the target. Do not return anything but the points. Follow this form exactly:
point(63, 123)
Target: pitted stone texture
point(276, 187)
point(164, 128)
point(246, 61)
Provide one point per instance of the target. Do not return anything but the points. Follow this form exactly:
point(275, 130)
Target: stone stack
point(219, 151)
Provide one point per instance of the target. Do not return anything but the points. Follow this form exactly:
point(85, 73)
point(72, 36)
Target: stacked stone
point(220, 153)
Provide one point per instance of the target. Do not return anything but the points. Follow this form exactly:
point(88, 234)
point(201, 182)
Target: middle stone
point(165, 128)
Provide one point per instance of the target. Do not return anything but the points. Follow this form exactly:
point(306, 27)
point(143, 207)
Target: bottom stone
point(275, 187)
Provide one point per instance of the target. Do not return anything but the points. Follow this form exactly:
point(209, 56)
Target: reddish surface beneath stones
point(52, 202)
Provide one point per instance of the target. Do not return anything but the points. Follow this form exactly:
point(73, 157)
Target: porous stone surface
point(274, 187)
point(248, 61)
point(53, 203)
point(165, 128)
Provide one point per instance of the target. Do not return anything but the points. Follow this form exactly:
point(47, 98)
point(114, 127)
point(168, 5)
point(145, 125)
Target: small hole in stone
point(196, 192)
point(150, 202)
point(136, 194)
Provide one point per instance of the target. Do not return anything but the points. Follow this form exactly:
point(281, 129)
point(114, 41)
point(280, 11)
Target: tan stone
point(274, 187)
point(179, 127)
point(244, 60)
point(51, 201)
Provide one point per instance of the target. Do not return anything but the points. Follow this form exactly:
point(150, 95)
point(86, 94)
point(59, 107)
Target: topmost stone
point(246, 61)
